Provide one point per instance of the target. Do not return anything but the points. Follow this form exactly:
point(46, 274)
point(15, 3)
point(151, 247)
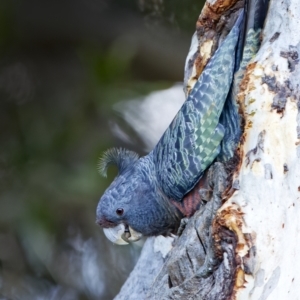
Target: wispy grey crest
point(120, 157)
point(149, 193)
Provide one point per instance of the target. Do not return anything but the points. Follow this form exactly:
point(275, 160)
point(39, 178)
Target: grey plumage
point(141, 195)
point(192, 141)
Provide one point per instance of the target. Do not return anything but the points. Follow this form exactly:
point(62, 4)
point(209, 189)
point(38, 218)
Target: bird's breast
point(191, 201)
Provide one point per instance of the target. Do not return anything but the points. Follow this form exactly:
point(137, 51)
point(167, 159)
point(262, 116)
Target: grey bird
point(146, 198)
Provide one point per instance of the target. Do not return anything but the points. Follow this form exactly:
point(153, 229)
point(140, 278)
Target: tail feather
point(256, 11)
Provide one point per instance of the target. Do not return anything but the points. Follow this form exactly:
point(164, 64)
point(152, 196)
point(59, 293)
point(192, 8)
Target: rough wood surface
point(148, 266)
point(204, 255)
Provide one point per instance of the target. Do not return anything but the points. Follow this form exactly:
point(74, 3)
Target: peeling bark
point(244, 242)
point(213, 24)
point(270, 170)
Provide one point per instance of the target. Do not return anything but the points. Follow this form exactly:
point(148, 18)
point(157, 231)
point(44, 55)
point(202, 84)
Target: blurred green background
point(63, 66)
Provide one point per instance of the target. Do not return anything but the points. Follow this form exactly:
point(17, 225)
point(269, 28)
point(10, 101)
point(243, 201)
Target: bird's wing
point(192, 141)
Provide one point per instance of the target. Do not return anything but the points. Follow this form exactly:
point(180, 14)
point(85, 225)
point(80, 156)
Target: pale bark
point(269, 177)
point(257, 229)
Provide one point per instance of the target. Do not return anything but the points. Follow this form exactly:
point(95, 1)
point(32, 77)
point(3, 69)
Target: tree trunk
point(256, 231)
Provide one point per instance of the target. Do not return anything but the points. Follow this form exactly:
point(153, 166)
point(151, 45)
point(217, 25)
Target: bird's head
point(132, 203)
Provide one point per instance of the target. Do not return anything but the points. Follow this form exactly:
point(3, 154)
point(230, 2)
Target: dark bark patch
point(249, 259)
point(270, 81)
point(274, 37)
point(281, 91)
point(254, 154)
point(291, 56)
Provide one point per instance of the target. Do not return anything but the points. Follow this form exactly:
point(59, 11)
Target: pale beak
point(122, 234)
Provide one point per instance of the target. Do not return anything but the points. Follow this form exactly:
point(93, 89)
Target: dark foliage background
point(63, 64)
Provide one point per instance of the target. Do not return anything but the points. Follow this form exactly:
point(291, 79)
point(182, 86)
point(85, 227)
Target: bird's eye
point(120, 211)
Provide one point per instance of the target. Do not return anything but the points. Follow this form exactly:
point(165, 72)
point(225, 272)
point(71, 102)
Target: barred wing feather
point(192, 141)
